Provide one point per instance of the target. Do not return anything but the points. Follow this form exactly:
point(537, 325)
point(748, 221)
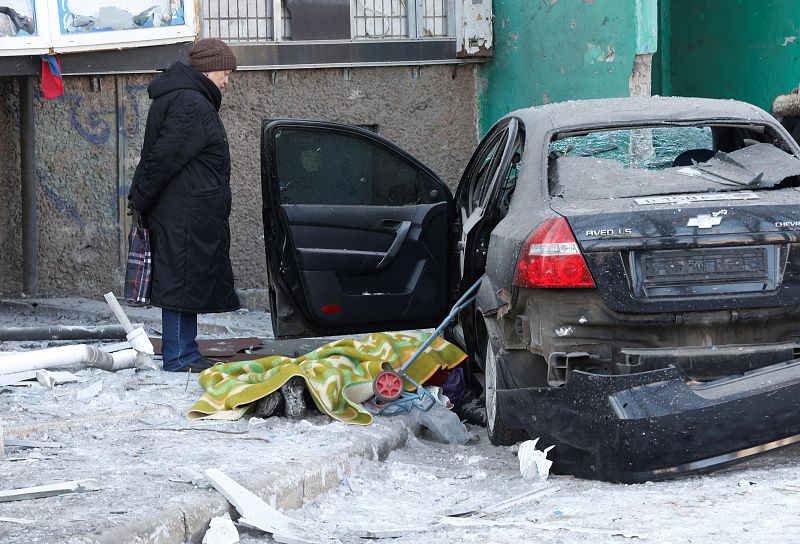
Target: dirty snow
point(132, 437)
point(755, 502)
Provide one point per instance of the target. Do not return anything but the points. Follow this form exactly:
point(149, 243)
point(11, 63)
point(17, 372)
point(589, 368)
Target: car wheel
point(499, 433)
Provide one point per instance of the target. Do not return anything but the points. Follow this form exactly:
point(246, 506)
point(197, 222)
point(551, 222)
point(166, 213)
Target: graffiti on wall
point(17, 18)
point(78, 16)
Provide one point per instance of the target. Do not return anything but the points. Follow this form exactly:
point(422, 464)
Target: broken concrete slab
point(255, 512)
point(221, 530)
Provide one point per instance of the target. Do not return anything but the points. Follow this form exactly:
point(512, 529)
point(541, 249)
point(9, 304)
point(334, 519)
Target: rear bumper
point(653, 425)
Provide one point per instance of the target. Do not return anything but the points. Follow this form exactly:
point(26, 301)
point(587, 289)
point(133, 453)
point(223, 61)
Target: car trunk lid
point(665, 254)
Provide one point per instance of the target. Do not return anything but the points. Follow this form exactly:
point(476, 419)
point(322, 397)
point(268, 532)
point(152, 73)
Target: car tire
point(500, 434)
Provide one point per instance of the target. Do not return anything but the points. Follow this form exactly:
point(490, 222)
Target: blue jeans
point(179, 338)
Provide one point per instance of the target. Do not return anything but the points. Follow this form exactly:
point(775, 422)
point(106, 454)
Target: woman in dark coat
point(181, 187)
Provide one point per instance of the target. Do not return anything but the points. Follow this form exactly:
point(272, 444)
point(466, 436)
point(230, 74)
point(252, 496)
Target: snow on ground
point(138, 462)
point(754, 502)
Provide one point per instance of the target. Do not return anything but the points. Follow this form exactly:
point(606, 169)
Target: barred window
point(254, 21)
point(380, 19)
point(434, 18)
point(238, 21)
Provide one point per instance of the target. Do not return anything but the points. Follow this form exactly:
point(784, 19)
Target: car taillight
point(550, 257)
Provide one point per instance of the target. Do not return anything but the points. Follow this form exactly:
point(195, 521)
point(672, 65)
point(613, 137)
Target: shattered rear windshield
point(662, 160)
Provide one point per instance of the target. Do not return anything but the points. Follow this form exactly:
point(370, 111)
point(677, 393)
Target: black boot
point(268, 405)
point(294, 403)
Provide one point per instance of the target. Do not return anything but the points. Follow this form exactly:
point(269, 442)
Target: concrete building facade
point(88, 143)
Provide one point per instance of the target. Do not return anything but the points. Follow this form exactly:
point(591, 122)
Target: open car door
point(357, 232)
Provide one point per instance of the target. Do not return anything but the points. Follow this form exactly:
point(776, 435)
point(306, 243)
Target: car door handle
point(397, 243)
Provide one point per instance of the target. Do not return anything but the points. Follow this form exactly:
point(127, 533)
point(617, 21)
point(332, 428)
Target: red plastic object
point(388, 385)
point(551, 258)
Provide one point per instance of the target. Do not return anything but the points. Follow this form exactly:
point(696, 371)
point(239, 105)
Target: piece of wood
point(50, 490)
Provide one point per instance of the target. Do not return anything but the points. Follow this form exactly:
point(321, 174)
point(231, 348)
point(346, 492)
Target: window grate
point(286, 19)
point(380, 19)
point(238, 21)
point(434, 18)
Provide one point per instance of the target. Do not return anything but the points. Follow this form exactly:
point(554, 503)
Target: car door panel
point(339, 256)
point(358, 232)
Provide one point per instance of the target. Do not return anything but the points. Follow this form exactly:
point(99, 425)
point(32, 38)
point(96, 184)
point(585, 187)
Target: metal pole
point(27, 143)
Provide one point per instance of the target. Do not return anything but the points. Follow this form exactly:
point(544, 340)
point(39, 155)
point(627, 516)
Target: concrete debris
point(91, 391)
point(50, 490)
point(256, 514)
point(51, 379)
point(533, 463)
point(191, 476)
point(221, 530)
point(2, 442)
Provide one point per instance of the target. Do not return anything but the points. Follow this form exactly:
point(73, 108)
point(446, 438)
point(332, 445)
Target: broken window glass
point(643, 161)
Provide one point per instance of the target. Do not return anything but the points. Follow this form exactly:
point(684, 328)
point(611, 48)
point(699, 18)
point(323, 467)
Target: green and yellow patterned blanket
point(338, 375)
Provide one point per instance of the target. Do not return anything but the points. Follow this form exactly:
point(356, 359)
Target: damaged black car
point(639, 267)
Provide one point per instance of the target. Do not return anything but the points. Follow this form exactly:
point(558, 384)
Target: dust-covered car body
point(638, 305)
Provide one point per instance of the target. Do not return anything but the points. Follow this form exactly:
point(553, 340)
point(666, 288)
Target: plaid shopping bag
point(138, 272)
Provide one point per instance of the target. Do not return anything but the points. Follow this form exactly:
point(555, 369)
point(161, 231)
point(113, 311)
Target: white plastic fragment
point(51, 490)
point(136, 336)
point(140, 342)
point(51, 379)
point(18, 378)
point(221, 530)
point(533, 463)
point(21, 521)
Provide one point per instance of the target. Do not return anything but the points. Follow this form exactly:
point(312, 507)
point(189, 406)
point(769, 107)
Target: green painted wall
point(554, 50)
point(743, 49)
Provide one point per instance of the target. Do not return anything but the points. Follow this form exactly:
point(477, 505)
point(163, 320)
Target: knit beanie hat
point(211, 55)
point(787, 104)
